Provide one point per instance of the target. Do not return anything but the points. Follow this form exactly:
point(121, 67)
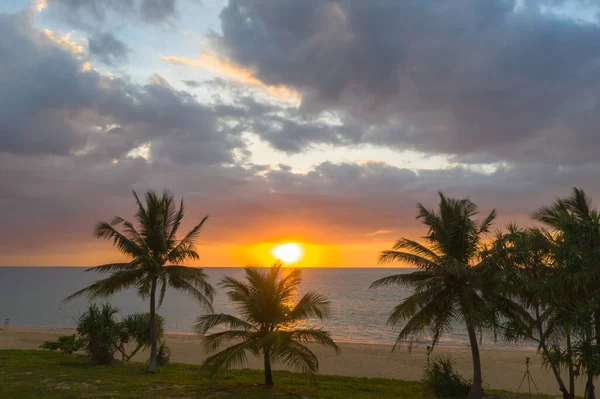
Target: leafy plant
point(442, 381)
point(101, 334)
point(66, 344)
point(164, 355)
point(139, 333)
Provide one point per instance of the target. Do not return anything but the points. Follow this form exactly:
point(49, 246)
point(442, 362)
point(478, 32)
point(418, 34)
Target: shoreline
point(503, 368)
point(389, 345)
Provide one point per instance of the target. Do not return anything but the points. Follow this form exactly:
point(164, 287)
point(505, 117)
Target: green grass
point(50, 375)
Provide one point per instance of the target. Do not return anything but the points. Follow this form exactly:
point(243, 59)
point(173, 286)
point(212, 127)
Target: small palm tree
point(269, 315)
point(155, 254)
point(445, 284)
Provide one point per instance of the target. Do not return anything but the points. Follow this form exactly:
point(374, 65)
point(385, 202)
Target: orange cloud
point(39, 5)
point(238, 73)
point(378, 232)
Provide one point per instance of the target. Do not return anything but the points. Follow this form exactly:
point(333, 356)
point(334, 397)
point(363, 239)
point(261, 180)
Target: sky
point(321, 122)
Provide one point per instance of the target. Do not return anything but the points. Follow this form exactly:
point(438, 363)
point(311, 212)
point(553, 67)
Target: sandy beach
point(502, 368)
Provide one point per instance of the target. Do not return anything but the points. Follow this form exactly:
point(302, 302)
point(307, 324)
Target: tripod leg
point(536, 388)
point(529, 382)
point(523, 379)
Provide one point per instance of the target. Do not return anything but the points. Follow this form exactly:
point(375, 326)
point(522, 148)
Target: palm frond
point(206, 322)
point(309, 306)
point(124, 244)
point(110, 285)
point(406, 280)
point(317, 336)
point(231, 357)
point(212, 342)
point(408, 258)
point(191, 283)
point(299, 357)
point(188, 240)
point(115, 267)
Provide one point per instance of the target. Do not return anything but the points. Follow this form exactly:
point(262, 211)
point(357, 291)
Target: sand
point(502, 368)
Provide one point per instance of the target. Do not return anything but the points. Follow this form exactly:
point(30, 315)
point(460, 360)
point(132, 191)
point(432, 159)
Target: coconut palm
point(271, 323)
point(156, 256)
point(575, 234)
point(518, 281)
point(445, 284)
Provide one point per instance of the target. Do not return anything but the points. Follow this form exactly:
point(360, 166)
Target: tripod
point(529, 379)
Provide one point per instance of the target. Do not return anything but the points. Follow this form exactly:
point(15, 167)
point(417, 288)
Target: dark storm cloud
point(54, 105)
point(79, 11)
point(107, 48)
point(158, 10)
point(468, 77)
point(192, 84)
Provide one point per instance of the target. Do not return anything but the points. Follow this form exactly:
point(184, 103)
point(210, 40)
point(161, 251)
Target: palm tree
point(156, 257)
point(518, 282)
point(575, 233)
point(445, 284)
point(269, 323)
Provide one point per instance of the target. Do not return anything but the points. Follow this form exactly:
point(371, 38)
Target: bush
point(139, 333)
point(164, 355)
point(66, 344)
point(101, 335)
point(442, 381)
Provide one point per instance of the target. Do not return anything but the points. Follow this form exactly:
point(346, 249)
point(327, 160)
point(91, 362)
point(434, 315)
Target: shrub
point(164, 354)
point(66, 344)
point(101, 335)
point(139, 333)
point(442, 381)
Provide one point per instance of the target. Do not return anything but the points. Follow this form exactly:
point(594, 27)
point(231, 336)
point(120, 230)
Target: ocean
point(32, 297)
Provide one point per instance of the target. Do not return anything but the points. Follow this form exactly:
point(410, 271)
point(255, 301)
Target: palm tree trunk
point(561, 385)
point(268, 373)
point(476, 391)
point(154, 346)
point(590, 391)
point(571, 369)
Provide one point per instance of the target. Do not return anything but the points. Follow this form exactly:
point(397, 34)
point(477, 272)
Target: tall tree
point(518, 283)
point(270, 323)
point(575, 233)
point(156, 256)
point(445, 284)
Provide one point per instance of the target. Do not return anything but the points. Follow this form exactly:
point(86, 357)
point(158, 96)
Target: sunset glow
point(288, 253)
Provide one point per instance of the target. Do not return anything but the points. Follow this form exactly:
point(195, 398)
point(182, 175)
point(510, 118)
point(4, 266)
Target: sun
point(288, 253)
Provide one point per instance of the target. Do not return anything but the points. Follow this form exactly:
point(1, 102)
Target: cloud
point(158, 10)
point(88, 13)
point(39, 5)
point(378, 232)
point(107, 48)
point(477, 79)
point(235, 72)
point(55, 104)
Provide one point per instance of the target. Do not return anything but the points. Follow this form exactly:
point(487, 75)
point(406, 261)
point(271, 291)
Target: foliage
point(164, 355)
point(66, 344)
point(156, 257)
point(544, 287)
point(442, 381)
point(102, 333)
point(51, 375)
point(138, 332)
point(446, 285)
point(268, 324)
